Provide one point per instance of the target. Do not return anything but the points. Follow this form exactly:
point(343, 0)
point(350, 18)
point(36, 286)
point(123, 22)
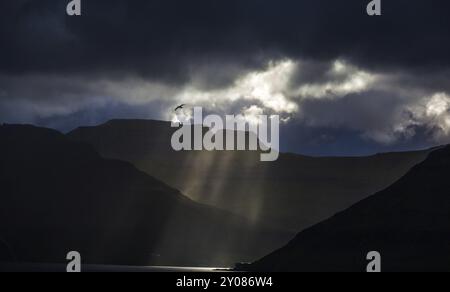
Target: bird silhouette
point(179, 107)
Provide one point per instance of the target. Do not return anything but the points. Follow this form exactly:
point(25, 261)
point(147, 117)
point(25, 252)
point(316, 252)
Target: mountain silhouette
point(291, 194)
point(57, 195)
point(408, 223)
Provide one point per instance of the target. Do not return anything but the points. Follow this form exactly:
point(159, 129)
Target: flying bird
point(179, 107)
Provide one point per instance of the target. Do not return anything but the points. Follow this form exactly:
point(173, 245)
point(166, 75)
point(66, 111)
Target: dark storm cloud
point(168, 39)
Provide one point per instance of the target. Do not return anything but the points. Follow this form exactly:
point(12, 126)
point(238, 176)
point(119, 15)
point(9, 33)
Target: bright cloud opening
point(267, 88)
point(348, 80)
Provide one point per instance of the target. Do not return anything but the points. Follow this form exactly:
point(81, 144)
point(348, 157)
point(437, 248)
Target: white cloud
point(345, 79)
point(383, 107)
point(266, 87)
point(431, 112)
point(252, 114)
point(438, 105)
point(435, 114)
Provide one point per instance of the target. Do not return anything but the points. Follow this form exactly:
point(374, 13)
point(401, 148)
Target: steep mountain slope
point(408, 223)
point(292, 193)
point(57, 195)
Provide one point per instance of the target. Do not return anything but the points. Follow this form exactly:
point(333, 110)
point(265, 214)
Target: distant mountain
point(408, 223)
point(57, 195)
point(292, 193)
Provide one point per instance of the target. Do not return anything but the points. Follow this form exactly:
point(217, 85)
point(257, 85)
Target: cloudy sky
point(343, 82)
